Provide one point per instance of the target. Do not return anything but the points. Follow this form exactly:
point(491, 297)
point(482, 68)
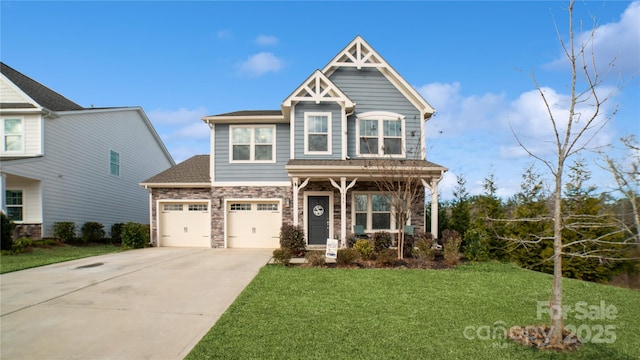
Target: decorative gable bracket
point(318, 88)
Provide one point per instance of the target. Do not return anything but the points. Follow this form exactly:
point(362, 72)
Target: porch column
point(343, 187)
point(434, 204)
point(296, 189)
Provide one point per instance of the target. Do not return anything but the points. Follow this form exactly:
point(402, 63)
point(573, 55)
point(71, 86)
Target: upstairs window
point(317, 128)
point(252, 144)
point(380, 133)
point(14, 204)
point(114, 163)
point(12, 135)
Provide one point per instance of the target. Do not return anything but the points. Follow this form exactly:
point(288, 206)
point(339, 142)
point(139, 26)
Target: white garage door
point(253, 224)
point(185, 224)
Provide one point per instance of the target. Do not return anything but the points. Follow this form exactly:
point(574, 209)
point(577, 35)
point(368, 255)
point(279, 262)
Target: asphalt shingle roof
point(44, 96)
point(193, 170)
point(252, 113)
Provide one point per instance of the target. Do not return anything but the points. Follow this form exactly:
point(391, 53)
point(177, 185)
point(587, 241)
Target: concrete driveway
point(152, 303)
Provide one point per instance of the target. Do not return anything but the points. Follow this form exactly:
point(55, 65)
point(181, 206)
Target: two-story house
point(62, 162)
point(308, 163)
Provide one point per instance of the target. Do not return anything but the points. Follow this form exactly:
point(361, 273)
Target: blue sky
point(471, 60)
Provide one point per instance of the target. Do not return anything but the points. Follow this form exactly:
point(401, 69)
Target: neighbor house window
point(15, 207)
point(12, 135)
point(380, 133)
point(114, 163)
point(253, 143)
point(373, 211)
point(317, 128)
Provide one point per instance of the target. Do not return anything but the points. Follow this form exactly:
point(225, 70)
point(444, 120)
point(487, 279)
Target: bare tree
point(573, 132)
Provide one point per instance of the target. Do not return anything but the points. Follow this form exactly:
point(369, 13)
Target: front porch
point(330, 197)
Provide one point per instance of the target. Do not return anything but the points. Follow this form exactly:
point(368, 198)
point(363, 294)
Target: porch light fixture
point(287, 202)
point(219, 202)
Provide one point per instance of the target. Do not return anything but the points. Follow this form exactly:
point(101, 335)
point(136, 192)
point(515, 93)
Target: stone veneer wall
point(32, 231)
point(217, 195)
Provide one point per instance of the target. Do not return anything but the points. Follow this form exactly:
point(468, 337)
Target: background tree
point(460, 214)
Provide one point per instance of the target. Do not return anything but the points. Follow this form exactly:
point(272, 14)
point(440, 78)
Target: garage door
point(185, 224)
point(253, 224)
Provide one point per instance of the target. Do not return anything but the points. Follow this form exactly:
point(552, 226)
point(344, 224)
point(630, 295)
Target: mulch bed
point(539, 337)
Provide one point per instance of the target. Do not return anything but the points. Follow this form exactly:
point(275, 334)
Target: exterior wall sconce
point(287, 202)
point(219, 202)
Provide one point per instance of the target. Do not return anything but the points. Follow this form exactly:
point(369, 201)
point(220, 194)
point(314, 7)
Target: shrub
point(282, 256)
point(292, 238)
point(388, 257)
point(381, 241)
point(134, 235)
point(315, 258)
point(92, 232)
point(64, 231)
point(364, 248)
point(116, 231)
point(476, 248)
point(19, 246)
point(346, 256)
point(424, 243)
point(7, 230)
point(451, 240)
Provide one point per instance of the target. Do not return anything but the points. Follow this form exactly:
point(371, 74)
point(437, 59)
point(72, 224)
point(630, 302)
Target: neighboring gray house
point(306, 164)
point(62, 162)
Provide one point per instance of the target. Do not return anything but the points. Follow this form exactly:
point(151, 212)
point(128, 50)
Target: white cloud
point(179, 127)
point(224, 35)
point(266, 40)
point(616, 40)
point(178, 116)
point(260, 64)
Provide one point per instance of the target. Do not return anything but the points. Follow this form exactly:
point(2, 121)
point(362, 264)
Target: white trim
point(252, 144)
point(185, 201)
point(245, 200)
point(24, 203)
point(306, 205)
point(249, 120)
point(329, 116)
point(23, 135)
point(250, 183)
point(292, 133)
point(212, 151)
point(381, 116)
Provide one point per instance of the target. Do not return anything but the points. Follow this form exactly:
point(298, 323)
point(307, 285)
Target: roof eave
point(175, 185)
point(255, 119)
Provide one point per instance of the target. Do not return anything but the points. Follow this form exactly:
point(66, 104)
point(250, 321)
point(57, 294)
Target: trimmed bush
point(346, 256)
point(364, 248)
point(292, 238)
point(7, 230)
point(92, 232)
point(134, 235)
point(64, 231)
point(388, 257)
point(116, 231)
point(282, 256)
point(315, 258)
point(381, 240)
point(424, 243)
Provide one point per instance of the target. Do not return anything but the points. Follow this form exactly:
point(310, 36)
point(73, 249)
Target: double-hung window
point(317, 128)
point(380, 133)
point(15, 205)
point(12, 135)
point(373, 211)
point(252, 143)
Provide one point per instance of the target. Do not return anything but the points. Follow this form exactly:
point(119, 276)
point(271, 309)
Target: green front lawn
point(306, 313)
point(39, 256)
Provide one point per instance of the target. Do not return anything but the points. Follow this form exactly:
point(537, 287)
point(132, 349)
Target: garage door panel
point(185, 225)
point(254, 224)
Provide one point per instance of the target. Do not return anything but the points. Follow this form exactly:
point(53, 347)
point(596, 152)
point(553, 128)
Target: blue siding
point(336, 126)
point(371, 91)
point(225, 171)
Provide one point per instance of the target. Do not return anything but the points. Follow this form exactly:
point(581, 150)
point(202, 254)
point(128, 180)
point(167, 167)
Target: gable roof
point(41, 94)
point(358, 53)
point(192, 172)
